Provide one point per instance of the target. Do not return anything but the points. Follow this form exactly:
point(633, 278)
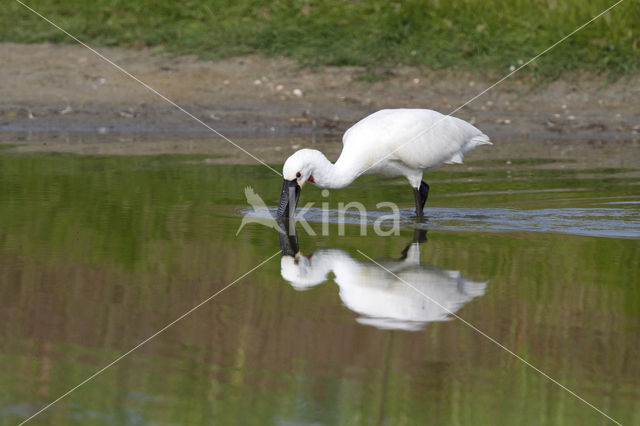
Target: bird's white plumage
point(419, 139)
point(381, 299)
point(390, 142)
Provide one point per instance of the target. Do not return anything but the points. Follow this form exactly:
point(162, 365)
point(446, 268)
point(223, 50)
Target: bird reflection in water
point(382, 299)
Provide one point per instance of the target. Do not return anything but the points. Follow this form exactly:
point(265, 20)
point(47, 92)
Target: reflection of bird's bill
point(288, 237)
point(288, 198)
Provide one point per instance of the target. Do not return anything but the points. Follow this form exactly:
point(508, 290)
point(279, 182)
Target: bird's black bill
point(288, 237)
point(288, 198)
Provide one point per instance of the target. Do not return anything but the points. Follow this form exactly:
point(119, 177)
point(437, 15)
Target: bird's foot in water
point(420, 221)
point(420, 196)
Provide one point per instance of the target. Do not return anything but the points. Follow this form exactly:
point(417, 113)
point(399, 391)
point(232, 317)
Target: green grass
point(487, 36)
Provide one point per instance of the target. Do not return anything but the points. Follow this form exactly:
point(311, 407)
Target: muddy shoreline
point(70, 93)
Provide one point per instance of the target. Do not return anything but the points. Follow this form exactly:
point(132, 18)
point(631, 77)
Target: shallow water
point(622, 221)
point(99, 253)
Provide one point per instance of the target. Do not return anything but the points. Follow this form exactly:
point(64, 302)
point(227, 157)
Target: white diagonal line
point(149, 338)
point(500, 345)
point(495, 84)
point(148, 87)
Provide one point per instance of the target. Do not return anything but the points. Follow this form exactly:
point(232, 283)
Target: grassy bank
point(486, 35)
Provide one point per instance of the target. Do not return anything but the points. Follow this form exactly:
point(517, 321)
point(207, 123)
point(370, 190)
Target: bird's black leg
point(420, 195)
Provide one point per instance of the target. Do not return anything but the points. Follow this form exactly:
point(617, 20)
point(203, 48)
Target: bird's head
point(297, 170)
point(300, 165)
point(300, 272)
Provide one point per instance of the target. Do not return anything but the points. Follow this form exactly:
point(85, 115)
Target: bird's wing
point(419, 138)
point(434, 139)
point(456, 158)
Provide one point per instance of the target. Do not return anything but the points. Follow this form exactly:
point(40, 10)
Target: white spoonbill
point(389, 143)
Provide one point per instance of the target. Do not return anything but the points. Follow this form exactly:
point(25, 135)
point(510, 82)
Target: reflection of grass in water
point(538, 184)
point(446, 185)
point(6, 146)
point(518, 173)
point(517, 162)
point(161, 225)
point(121, 207)
point(538, 286)
point(115, 206)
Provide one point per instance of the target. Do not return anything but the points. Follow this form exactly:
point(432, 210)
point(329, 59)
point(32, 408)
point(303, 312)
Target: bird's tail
point(480, 140)
point(472, 143)
point(473, 288)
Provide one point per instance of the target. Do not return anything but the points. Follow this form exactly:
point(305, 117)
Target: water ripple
point(610, 222)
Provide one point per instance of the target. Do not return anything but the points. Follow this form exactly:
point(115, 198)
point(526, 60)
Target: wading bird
point(389, 143)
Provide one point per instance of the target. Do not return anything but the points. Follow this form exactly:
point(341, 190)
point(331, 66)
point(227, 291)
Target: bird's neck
point(329, 175)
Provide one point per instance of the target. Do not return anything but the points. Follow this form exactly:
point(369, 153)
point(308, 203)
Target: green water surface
point(99, 253)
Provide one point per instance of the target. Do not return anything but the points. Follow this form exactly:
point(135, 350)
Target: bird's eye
point(298, 174)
